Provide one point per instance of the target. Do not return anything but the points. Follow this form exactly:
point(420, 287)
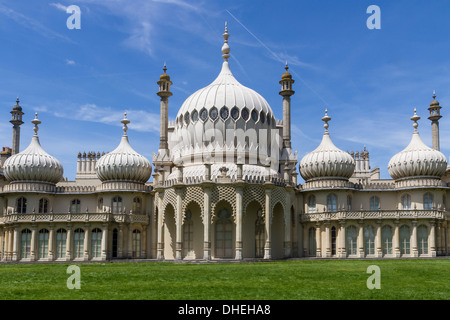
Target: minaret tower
point(17, 122)
point(164, 92)
point(286, 92)
point(435, 115)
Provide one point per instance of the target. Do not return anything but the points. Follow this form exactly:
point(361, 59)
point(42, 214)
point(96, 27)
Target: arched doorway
point(224, 233)
point(278, 232)
point(169, 232)
point(193, 232)
point(253, 234)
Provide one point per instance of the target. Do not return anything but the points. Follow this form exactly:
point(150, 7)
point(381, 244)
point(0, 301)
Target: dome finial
point(225, 47)
point(36, 122)
point(434, 94)
point(415, 118)
point(165, 68)
point(125, 121)
point(325, 119)
point(286, 67)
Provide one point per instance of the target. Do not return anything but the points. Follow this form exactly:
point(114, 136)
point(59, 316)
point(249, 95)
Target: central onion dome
point(327, 161)
point(417, 160)
point(33, 164)
point(123, 164)
point(225, 107)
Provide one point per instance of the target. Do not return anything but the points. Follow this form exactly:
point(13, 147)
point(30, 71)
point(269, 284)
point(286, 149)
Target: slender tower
point(435, 115)
point(164, 92)
point(16, 120)
point(286, 92)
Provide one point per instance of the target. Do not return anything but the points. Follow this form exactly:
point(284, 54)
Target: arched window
point(352, 238)
point(405, 238)
point(422, 239)
point(386, 237)
point(61, 238)
point(43, 244)
point(100, 205)
point(43, 205)
point(333, 240)
point(260, 235)
point(25, 247)
point(117, 204)
point(406, 202)
point(349, 202)
point(78, 243)
point(136, 243)
point(312, 204)
point(427, 201)
point(75, 206)
point(312, 242)
point(224, 232)
point(137, 205)
point(188, 234)
point(332, 202)
point(374, 203)
point(96, 243)
point(21, 205)
point(369, 240)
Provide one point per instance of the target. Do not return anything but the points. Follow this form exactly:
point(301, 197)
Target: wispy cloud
point(59, 6)
point(70, 62)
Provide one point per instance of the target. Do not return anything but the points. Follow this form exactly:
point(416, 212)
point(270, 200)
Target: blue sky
point(81, 81)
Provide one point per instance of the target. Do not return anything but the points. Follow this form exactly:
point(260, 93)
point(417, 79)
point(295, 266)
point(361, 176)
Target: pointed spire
point(36, 122)
point(325, 119)
point(415, 118)
point(225, 47)
point(125, 122)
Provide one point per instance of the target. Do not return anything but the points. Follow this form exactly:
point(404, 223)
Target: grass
point(282, 280)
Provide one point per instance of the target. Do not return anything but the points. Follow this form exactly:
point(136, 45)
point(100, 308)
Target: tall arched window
point(96, 243)
point(78, 243)
point(100, 205)
point(406, 202)
point(43, 244)
point(333, 240)
point(369, 240)
point(43, 205)
point(117, 204)
point(332, 202)
point(427, 201)
point(224, 232)
point(312, 204)
point(312, 242)
point(61, 238)
point(405, 238)
point(386, 236)
point(25, 247)
point(137, 205)
point(115, 243)
point(188, 234)
point(136, 243)
point(21, 205)
point(349, 202)
point(260, 235)
point(352, 240)
point(422, 239)
point(75, 206)
point(374, 203)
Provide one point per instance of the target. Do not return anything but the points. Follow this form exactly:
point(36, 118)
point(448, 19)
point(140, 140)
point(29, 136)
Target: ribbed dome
point(327, 161)
point(123, 163)
point(33, 164)
point(417, 159)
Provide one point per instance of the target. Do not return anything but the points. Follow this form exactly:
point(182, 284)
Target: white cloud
point(70, 62)
point(59, 6)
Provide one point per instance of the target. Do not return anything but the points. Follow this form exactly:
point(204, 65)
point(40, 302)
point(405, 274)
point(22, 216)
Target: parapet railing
point(74, 217)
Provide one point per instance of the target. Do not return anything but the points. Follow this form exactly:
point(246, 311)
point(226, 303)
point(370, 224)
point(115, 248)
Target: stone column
point(342, 238)
point(130, 241)
point(33, 255)
point(396, 239)
point(179, 225)
point(318, 240)
point(51, 244)
point(415, 250)
point(69, 243)
point(239, 197)
point(206, 223)
point(378, 245)
point(104, 254)
point(327, 240)
point(361, 239)
point(120, 241)
point(305, 241)
point(268, 222)
point(144, 242)
point(15, 245)
point(2, 244)
point(432, 238)
point(87, 242)
point(287, 228)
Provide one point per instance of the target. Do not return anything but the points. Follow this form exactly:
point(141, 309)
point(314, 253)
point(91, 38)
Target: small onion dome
point(434, 102)
point(327, 161)
point(417, 159)
point(17, 107)
point(286, 75)
point(124, 164)
point(33, 163)
point(164, 76)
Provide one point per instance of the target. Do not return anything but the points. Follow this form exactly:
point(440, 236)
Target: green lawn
point(286, 280)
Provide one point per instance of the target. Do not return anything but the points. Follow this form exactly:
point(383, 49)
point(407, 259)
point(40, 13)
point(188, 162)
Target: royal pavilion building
point(224, 186)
